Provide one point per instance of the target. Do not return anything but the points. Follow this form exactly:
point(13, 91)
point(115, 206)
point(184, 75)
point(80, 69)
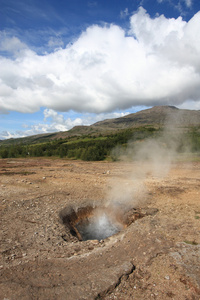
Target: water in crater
point(98, 227)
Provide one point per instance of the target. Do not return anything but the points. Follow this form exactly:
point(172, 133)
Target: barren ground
point(156, 257)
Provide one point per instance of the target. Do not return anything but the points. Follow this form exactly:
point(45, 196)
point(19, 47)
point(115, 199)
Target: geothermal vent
point(89, 223)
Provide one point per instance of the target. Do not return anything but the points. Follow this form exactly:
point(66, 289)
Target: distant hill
point(158, 116)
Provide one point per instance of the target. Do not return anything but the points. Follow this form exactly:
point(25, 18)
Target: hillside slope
point(156, 116)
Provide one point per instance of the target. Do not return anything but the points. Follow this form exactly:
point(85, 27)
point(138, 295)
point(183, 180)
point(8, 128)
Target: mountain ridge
point(157, 116)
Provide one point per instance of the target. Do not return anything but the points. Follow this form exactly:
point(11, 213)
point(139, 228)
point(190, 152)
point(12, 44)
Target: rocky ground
point(156, 257)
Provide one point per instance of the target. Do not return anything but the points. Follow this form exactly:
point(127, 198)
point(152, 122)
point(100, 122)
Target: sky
point(65, 63)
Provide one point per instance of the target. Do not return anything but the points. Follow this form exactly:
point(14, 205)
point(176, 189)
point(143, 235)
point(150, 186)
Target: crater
point(98, 223)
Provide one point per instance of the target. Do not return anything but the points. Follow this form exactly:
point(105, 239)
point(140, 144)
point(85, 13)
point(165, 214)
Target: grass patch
point(188, 157)
point(191, 243)
point(17, 173)
point(85, 140)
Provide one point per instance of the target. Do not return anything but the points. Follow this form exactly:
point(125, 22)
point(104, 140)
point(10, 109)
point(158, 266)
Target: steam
point(151, 157)
point(144, 159)
point(99, 226)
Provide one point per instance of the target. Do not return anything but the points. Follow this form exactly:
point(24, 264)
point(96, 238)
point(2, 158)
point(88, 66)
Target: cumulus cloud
point(11, 45)
point(106, 69)
point(54, 121)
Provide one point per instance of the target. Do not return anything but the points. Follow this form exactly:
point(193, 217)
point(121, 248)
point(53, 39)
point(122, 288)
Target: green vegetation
point(99, 147)
point(88, 147)
point(191, 243)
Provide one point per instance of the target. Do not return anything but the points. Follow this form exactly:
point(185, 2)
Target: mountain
point(157, 116)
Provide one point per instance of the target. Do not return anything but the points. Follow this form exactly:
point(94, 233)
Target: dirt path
point(156, 257)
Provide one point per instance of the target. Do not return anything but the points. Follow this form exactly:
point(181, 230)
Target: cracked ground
point(156, 257)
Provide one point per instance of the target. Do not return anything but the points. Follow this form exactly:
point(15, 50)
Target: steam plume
point(150, 157)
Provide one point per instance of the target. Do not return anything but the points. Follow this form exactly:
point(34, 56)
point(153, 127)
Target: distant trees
point(94, 148)
point(4, 153)
point(194, 136)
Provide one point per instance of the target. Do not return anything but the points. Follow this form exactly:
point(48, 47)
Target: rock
point(94, 242)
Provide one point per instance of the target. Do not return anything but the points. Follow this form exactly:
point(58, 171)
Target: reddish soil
point(156, 257)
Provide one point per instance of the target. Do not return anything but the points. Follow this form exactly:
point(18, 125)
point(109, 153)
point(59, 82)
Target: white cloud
point(55, 42)
point(54, 121)
point(190, 105)
point(11, 44)
point(181, 5)
point(124, 13)
point(105, 70)
point(57, 121)
point(188, 3)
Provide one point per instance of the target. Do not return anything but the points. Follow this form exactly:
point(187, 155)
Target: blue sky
point(65, 63)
